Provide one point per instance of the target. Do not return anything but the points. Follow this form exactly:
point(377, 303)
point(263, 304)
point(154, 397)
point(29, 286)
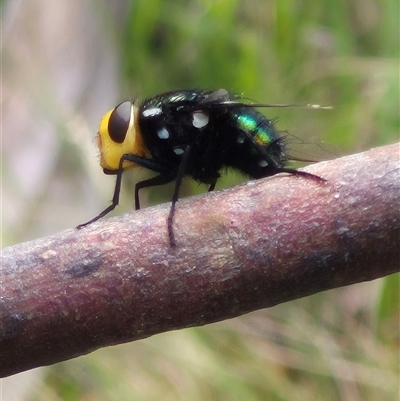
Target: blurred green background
point(65, 63)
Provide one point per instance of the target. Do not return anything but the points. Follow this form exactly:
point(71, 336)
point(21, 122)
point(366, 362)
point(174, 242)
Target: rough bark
point(238, 250)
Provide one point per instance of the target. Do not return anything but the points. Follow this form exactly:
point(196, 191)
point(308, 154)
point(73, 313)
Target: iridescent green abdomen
point(256, 147)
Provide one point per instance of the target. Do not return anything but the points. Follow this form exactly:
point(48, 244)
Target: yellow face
point(119, 134)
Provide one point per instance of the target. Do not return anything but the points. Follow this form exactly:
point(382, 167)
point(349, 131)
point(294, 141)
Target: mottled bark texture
point(238, 250)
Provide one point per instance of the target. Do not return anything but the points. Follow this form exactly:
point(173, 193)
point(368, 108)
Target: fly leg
point(178, 182)
point(147, 163)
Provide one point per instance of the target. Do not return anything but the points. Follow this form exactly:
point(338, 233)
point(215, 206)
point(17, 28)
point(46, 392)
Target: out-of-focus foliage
point(65, 63)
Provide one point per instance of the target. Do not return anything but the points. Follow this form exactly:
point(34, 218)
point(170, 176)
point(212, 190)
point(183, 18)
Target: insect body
point(193, 133)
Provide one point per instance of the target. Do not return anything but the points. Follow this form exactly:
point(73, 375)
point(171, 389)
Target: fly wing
point(225, 99)
point(216, 98)
point(191, 100)
point(310, 150)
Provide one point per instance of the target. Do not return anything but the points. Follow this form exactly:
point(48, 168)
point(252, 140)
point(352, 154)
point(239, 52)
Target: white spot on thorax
point(200, 119)
point(178, 151)
point(263, 163)
point(163, 133)
point(154, 111)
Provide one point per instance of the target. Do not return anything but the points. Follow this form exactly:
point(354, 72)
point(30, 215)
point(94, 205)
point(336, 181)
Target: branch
point(238, 250)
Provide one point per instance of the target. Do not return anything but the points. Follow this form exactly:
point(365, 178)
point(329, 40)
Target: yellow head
point(119, 134)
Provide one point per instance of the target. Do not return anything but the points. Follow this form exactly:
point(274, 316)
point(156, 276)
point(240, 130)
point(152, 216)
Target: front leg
point(147, 163)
